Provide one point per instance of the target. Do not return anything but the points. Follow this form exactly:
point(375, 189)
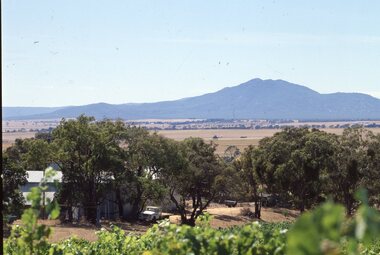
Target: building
point(107, 209)
point(33, 180)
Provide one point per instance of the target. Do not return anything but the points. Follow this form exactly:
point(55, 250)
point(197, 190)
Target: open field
point(222, 217)
point(9, 138)
point(241, 138)
point(10, 125)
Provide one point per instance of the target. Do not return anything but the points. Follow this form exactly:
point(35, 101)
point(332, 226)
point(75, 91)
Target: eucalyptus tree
point(194, 177)
point(25, 154)
point(13, 176)
point(86, 153)
point(244, 166)
point(356, 165)
point(145, 156)
point(372, 177)
point(292, 162)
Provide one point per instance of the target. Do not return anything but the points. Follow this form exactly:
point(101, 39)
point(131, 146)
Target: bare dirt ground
point(223, 217)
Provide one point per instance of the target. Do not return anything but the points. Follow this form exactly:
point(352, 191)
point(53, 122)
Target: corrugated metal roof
point(36, 176)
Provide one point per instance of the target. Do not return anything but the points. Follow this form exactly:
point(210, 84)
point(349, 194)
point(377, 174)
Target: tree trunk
point(302, 206)
point(136, 204)
point(190, 222)
point(257, 210)
point(119, 204)
point(91, 213)
point(137, 200)
point(135, 209)
point(70, 212)
point(91, 204)
point(256, 199)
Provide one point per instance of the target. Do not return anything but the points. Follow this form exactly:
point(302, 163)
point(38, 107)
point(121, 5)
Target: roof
point(36, 176)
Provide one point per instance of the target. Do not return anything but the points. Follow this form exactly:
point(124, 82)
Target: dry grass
point(241, 144)
point(223, 134)
point(240, 138)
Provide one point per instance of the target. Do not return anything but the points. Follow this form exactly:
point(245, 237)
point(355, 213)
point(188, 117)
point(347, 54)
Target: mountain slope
point(25, 111)
point(255, 99)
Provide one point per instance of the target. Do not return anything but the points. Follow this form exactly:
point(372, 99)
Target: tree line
point(301, 166)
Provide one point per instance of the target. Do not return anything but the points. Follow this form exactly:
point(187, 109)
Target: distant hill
point(255, 99)
point(9, 112)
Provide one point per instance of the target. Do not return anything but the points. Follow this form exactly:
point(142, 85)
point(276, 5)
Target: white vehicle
point(151, 213)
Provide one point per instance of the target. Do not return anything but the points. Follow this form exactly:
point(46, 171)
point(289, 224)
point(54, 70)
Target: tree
point(145, 156)
point(85, 155)
point(291, 162)
point(38, 154)
point(250, 177)
point(231, 153)
point(30, 153)
point(372, 176)
point(350, 168)
point(46, 136)
point(13, 176)
point(195, 174)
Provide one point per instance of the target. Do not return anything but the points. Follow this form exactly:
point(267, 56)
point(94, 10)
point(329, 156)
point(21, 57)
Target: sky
point(59, 53)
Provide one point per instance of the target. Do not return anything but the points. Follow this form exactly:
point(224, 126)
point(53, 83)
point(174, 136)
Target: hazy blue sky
point(59, 53)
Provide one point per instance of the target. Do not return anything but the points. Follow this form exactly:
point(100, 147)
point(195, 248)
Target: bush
point(246, 211)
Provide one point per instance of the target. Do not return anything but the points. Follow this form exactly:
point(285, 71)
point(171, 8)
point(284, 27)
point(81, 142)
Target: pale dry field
point(240, 138)
point(28, 124)
point(9, 138)
point(233, 134)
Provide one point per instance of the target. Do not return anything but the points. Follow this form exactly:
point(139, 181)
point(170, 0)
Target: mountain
point(9, 112)
point(255, 99)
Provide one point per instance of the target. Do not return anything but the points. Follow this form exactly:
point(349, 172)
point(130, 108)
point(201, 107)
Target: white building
point(33, 180)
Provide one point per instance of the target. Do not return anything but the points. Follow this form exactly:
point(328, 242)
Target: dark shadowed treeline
point(305, 166)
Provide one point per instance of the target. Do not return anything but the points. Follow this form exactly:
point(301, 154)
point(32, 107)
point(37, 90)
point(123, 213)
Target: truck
point(151, 214)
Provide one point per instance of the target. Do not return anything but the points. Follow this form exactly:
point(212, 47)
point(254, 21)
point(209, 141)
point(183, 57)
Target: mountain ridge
point(254, 99)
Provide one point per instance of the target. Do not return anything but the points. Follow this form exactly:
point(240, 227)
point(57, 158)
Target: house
point(33, 180)
point(107, 209)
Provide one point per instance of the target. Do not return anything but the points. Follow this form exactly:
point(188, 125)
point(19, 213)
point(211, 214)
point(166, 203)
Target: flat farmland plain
point(240, 138)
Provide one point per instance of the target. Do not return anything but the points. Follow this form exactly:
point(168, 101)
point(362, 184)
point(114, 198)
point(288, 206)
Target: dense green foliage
point(199, 179)
point(13, 176)
point(305, 167)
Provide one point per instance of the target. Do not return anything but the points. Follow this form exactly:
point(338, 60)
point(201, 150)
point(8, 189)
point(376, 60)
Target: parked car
point(151, 213)
point(10, 218)
point(268, 200)
point(230, 203)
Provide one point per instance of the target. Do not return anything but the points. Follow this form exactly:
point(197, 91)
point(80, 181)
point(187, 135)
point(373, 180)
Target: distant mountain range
point(255, 99)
